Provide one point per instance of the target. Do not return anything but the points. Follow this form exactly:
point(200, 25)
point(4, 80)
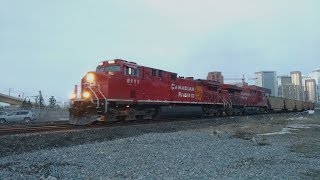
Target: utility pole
point(40, 103)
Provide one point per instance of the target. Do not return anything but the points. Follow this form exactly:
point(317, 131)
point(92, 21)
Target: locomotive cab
point(107, 85)
point(109, 67)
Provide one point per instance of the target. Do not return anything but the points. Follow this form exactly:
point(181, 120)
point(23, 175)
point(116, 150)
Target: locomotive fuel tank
point(180, 111)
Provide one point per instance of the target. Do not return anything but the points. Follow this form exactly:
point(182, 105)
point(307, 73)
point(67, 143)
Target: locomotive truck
point(119, 90)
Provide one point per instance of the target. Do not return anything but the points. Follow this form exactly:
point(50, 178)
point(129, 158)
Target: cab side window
point(154, 72)
point(173, 76)
point(136, 72)
point(129, 71)
point(157, 73)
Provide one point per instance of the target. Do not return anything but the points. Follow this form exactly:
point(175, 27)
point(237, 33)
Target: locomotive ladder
point(105, 99)
point(226, 104)
point(95, 95)
point(98, 102)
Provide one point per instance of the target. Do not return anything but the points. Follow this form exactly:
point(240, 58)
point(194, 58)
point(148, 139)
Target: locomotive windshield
point(114, 68)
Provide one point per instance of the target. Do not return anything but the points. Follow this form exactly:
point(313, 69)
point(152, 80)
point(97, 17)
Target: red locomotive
point(122, 90)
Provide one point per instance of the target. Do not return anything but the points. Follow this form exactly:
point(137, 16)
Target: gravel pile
point(195, 154)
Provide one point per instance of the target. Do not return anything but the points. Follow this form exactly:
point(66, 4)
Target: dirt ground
point(274, 146)
point(259, 126)
point(299, 132)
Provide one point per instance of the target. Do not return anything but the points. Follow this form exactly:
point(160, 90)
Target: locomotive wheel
point(27, 120)
point(121, 118)
point(2, 120)
point(229, 112)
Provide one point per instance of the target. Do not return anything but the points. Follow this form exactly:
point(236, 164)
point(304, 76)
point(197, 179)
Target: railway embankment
point(270, 146)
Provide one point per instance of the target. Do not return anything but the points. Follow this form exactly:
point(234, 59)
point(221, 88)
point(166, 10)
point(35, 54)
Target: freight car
point(278, 104)
point(120, 91)
point(290, 105)
point(275, 103)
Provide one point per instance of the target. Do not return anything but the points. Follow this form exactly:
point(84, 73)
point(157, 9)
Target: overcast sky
point(49, 45)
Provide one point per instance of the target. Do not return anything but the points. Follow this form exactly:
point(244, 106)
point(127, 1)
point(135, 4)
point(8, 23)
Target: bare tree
point(52, 102)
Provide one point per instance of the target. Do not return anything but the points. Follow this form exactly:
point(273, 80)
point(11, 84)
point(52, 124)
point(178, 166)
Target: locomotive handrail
point(104, 97)
point(94, 95)
point(101, 93)
point(225, 102)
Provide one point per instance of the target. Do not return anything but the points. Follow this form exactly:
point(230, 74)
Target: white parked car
point(22, 115)
point(3, 113)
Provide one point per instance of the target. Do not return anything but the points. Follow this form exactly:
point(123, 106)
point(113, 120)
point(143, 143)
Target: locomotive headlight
point(111, 62)
point(90, 78)
point(86, 95)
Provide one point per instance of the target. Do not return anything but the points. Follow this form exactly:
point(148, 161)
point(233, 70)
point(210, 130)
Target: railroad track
point(63, 126)
point(60, 126)
point(12, 129)
point(21, 129)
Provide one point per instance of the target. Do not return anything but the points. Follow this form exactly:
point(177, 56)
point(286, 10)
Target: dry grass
point(311, 174)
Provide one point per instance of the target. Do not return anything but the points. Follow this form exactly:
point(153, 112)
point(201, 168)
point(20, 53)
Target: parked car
point(2, 113)
point(22, 115)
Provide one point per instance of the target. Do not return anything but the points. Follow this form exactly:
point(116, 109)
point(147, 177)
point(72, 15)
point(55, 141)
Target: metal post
point(40, 95)
point(76, 91)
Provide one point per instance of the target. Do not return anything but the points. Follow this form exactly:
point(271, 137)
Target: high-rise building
point(290, 91)
point(311, 89)
point(285, 87)
point(296, 79)
point(284, 80)
point(305, 92)
point(215, 76)
point(267, 79)
point(316, 76)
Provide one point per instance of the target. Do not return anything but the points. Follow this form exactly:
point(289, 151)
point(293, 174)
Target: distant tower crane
point(243, 80)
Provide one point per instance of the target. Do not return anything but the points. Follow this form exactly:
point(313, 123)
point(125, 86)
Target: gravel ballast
point(217, 152)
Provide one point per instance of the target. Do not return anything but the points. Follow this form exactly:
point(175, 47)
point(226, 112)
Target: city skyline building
point(316, 76)
point(304, 89)
point(296, 79)
point(267, 79)
point(311, 88)
point(215, 76)
point(284, 80)
point(285, 87)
